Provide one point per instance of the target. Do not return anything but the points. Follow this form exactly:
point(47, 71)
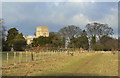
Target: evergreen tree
point(12, 33)
point(15, 40)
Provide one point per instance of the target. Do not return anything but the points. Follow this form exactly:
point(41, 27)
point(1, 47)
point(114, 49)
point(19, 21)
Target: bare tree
point(2, 33)
point(2, 29)
point(70, 32)
point(97, 30)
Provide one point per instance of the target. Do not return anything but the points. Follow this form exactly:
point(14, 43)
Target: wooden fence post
point(7, 57)
point(19, 57)
point(29, 56)
point(39, 55)
point(34, 55)
point(26, 56)
point(14, 56)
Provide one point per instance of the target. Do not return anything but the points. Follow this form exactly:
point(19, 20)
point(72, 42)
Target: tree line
point(96, 36)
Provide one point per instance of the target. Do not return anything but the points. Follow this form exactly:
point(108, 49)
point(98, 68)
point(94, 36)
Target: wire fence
point(10, 58)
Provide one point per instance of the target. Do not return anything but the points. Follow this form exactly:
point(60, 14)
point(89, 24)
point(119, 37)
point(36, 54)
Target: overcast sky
point(25, 16)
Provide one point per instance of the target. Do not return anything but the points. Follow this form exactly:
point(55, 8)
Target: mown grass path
point(83, 64)
point(98, 64)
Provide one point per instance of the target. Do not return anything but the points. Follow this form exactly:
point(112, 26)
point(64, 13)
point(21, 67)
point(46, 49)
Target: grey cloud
point(55, 15)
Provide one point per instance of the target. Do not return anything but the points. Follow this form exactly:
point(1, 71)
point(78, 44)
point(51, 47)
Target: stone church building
point(40, 31)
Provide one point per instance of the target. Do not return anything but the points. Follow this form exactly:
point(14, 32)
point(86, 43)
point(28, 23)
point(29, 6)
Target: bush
point(19, 44)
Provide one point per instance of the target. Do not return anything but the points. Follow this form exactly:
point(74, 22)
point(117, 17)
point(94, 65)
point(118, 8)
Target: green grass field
point(61, 64)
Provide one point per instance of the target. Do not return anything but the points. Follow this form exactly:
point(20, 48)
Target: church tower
point(42, 31)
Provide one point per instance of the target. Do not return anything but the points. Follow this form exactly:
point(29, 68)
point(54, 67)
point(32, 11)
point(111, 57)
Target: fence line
point(21, 57)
